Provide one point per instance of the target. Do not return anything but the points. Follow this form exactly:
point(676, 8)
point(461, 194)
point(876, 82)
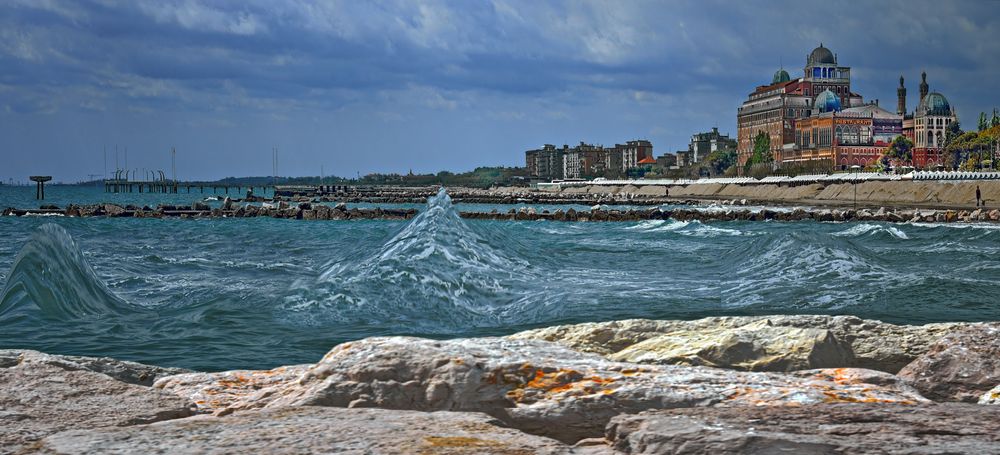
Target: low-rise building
point(666, 161)
point(586, 160)
point(703, 144)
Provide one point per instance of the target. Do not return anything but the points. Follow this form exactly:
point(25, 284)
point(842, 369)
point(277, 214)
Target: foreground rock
point(757, 346)
point(960, 366)
point(727, 342)
point(312, 430)
point(821, 429)
point(539, 387)
point(122, 370)
point(38, 398)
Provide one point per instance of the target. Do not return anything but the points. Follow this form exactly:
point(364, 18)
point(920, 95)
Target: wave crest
point(437, 268)
point(872, 229)
point(51, 276)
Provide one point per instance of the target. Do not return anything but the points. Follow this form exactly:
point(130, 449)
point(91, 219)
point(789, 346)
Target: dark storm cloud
point(515, 71)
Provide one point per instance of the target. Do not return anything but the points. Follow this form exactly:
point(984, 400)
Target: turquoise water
point(217, 294)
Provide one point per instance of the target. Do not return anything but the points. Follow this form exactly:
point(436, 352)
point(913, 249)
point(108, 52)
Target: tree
point(959, 150)
point(982, 121)
point(761, 150)
point(901, 150)
point(952, 132)
point(995, 120)
point(718, 162)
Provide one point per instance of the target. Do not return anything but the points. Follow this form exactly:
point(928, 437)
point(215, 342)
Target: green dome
point(934, 104)
point(780, 76)
point(827, 102)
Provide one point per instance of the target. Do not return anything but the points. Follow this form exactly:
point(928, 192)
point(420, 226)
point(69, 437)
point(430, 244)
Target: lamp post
point(854, 170)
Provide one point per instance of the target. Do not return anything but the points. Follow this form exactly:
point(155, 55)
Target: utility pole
point(173, 164)
point(105, 162)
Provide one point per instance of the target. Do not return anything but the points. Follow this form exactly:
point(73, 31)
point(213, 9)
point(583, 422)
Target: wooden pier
point(122, 183)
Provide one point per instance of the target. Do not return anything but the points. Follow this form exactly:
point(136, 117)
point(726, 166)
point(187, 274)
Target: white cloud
point(194, 15)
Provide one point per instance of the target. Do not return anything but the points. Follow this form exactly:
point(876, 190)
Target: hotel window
point(866, 135)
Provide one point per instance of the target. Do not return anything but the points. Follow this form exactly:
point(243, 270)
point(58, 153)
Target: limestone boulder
point(304, 430)
point(224, 392)
point(873, 344)
point(539, 387)
point(753, 347)
point(122, 370)
point(41, 398)
point(113, 210)
point(821, 429)
point(960, 366)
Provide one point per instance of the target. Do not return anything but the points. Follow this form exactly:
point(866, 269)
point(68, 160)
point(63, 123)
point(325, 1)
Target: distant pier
point(124, 183)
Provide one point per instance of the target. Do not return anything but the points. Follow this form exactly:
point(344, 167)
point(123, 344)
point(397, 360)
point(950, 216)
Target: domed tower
point(780, 76)
point(923, 85)
point(901, 98)
point(823, 73)
point(930, 128)
point(827, 102)
point(934, 104)
point(821, 55)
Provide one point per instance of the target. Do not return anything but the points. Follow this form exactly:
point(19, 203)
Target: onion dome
point(821, 55)
point(780, 76)
point(827, 102)
point(934, 104)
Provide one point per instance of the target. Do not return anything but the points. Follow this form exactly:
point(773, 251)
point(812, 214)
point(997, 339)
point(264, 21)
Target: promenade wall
point(945, 194)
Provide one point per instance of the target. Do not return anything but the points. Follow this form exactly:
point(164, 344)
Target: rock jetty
point(282, 209)
point(340, 211)
point(832, 384)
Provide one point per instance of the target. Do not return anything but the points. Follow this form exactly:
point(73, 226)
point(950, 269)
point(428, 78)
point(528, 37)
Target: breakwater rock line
point(597, 213)
point(283, 210)
point(311, 211)
point(554, 390)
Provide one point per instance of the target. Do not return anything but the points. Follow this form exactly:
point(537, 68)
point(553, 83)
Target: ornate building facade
point(775, 108)
point(855, 136)
point(819, 117)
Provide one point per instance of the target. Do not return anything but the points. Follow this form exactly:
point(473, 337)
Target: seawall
point(924, 194)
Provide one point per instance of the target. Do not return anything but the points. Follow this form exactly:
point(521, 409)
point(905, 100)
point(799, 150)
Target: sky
point(354, 87)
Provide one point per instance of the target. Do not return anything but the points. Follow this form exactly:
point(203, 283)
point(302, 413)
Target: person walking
point(979, 196)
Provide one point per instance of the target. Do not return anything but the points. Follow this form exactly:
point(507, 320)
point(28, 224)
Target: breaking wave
point(873, 230)
point(437, 274)
point(692, 228)
point(51, 277)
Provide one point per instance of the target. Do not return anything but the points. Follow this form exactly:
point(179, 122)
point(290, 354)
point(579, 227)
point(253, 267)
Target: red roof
point(647, 160)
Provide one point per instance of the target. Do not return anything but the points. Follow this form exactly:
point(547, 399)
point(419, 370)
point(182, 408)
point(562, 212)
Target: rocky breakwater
point(229, 209)
point(501, 195)
point(601, 213)
point(619, 387)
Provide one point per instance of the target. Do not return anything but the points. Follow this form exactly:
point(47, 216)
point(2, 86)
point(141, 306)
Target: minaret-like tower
point(901, 98)
point(923, 85)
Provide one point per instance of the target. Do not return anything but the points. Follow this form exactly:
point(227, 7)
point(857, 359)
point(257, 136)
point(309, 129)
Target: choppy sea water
point(257, 293)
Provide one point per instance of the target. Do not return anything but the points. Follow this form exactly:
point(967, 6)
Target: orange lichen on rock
point(562, 380)
point(464, 444)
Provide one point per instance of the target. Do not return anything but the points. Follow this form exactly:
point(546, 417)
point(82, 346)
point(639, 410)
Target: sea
point(253, 293)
